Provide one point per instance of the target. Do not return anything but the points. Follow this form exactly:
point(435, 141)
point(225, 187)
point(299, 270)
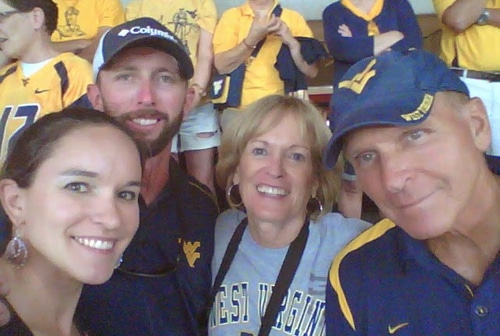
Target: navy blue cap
point(142, 32)
point(393, 89)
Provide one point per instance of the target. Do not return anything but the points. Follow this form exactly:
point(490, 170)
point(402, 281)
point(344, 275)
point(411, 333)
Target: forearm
point(408, 42)
point(409, 27)
point(330, 28)
point(74, 46)
point(310, 70)
point(205, 58)
point(227, 61)
point(386, 40)
point(462, 14)
point(343, 48)
point(494, 19)
point(202, 73)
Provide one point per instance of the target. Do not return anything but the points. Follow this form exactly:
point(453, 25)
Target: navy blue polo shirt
point(386, 282)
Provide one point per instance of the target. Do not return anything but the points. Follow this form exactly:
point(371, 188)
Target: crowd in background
point(213, 109)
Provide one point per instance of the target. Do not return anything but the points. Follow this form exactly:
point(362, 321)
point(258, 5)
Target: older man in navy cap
point(417, 143)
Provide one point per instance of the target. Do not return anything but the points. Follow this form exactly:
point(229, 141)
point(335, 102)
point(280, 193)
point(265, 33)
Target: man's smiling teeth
point(271, 190)
point(96, 243)
point(145, 122)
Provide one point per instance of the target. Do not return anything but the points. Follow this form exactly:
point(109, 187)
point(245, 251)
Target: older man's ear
point(479, 124)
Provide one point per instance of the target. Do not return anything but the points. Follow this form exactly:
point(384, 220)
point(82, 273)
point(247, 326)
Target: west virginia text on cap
point(395, 88)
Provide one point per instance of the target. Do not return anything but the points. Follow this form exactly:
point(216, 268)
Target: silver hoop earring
point(16, 252)
point(229, 196)
point(314, 207)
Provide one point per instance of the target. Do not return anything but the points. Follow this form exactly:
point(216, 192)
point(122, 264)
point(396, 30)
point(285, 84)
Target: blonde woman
point(279, 233)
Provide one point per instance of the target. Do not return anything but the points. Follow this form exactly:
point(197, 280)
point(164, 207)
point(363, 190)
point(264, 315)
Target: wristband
point(248, 45)
point(202, 91)
point(483, 18)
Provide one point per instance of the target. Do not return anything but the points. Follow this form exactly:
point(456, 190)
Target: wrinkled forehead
point(384, 133)
point(369, 135)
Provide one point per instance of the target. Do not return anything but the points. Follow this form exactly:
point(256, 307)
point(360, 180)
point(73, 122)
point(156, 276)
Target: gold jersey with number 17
point(23, 99)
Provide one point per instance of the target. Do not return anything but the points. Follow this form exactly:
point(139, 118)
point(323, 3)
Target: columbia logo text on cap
point(146, 31)
point(123, 33)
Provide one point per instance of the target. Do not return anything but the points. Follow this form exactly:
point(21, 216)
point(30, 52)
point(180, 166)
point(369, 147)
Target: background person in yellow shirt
point(42, 80)
point(81, 24)
point(238, 32)
point(471, 45)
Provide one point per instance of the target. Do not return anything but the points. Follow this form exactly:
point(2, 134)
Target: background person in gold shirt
point(81, 24)
point(237, 34)
point(42, 80)
point(471, 44)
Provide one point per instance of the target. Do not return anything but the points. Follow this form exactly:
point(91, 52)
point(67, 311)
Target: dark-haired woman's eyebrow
point(79, 172)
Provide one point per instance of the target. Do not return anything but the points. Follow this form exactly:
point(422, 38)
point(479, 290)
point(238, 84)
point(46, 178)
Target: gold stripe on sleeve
point(369, 235)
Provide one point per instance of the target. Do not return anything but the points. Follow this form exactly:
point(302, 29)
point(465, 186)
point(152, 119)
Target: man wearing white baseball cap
point(142, 71)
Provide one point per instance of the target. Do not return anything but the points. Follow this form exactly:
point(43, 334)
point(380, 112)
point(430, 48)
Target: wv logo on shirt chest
point(191, 251)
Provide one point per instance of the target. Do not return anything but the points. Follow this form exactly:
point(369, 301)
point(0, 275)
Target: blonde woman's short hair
point(252, 122)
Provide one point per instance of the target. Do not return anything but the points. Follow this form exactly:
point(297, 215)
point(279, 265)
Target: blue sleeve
point(336, 324)
point(346, 49)
point(82, 102)
point(493, 163)
point(408, 25)
point(4, 229)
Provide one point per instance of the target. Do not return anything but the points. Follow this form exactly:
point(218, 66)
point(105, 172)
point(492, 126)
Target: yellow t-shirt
point(261, 77)
point(23, 100)
point(476, 48)
point(80, 19)
point(183, 17)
